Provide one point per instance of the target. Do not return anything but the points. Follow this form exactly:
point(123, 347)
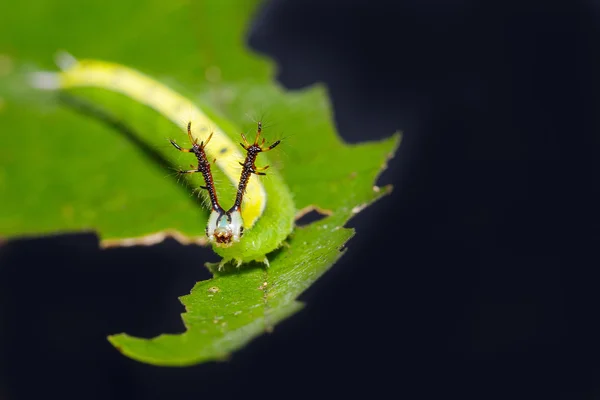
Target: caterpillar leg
point(244, 145)
point(203, 144)
point(262, 142)
point(178, 147)
point(271, 147)
point(190, 171)
point(221, 264)
point(189, 132)
point(257, 169)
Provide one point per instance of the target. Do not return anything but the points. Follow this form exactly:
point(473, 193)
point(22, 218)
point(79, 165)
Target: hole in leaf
point(308, 217)
point(89, 292)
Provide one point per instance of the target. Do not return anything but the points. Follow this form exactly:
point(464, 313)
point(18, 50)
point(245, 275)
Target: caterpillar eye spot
point(224, 228)
point(223, 150)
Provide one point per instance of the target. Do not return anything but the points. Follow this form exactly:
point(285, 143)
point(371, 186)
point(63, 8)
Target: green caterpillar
point(225, 229)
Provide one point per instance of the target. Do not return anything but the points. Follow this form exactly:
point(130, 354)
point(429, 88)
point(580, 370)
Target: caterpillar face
point(225, 228)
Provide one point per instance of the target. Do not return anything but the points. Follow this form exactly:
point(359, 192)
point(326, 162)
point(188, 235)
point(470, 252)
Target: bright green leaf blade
point(229, 310)
point(62, 170)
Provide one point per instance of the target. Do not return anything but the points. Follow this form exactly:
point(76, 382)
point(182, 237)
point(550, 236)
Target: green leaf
point(62, 169)
point(227, 311)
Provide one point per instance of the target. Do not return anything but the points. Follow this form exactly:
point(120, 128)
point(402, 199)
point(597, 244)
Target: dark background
point(475, 279)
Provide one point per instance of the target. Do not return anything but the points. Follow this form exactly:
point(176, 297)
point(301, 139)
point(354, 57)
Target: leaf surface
point(97, 160)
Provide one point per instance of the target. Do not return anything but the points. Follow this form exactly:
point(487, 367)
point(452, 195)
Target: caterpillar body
point(224, 228)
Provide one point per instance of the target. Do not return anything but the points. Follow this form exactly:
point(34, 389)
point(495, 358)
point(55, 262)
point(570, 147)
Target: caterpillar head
point(225, 228)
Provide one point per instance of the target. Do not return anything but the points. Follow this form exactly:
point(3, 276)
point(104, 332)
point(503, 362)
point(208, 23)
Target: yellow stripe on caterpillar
point(177, 108)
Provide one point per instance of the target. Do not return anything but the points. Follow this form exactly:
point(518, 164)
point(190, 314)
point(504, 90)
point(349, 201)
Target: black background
point(476, 278)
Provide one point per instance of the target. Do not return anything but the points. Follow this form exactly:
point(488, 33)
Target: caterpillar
point(224, 228)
